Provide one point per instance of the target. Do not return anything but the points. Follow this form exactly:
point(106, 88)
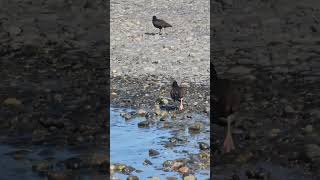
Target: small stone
point(274, 132)
point(203, 146)
point(132, 178)
point(184, 170)
point(155, 178)
point(42, 167)
point(207, 110)
point(189, 178)
point(12, 102)
point(142, 112)
point(171, 178)
point(197, 127)
point(177, 165)
point(147, 162)
point(143, 124)
point(113, 94)
point(52, 175)
point(308, 129)
point(313, 152)
point(153, 152)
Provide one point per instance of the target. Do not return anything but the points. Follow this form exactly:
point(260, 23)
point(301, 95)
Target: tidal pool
point(130, 145)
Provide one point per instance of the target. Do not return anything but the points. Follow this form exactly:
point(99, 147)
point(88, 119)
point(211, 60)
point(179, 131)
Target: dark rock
point(153, 152)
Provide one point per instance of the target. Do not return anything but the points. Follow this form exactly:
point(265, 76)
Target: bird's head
point(154, 18)
point(174, 84)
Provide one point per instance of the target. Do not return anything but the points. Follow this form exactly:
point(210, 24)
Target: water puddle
point(130, 145)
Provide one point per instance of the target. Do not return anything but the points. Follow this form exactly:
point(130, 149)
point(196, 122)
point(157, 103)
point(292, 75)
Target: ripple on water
point(130, 145)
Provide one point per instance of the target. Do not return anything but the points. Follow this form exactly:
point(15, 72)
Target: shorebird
point(226, 105)
point(159, 23)
point(177, 93)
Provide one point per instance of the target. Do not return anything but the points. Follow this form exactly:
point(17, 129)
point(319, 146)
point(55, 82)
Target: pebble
point(171, 178)
point(155, 178)
point(132, 178)
point(274, 132)
point(12, 102)
point(147, 162)
point(184, 170)
point(313, 152)
point(53, 175)
point(153, 152)
point(143, 124)
point(308, 129)
point(141, 112)
point(197, 127)
point(189, 178)
point(203, 146)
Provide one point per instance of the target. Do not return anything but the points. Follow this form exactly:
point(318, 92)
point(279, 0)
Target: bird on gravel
point(159, 23)
point(177, 93)
point(226, 105)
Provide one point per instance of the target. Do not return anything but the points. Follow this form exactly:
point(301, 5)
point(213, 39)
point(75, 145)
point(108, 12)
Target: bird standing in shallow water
point(226, 104)
point(177, 93)
point(159, 23)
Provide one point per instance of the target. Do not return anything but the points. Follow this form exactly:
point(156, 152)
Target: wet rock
point(54, 175)
point(95, 159)
point(288, 109)
point(155, 178)
point(274, 132)
point(153, 152)
point(235, 177)
point(147, 162)
point(150, 115)
point(197, 127)
point(189, 178)
point(203, 146)
point(164, 116)
point(19, 155)
point(207, 110)
point(141, 112)
point(184, 170)
point(42, 167)
point(126, 116)
point(157, 110)
point(114, 177)
point(312, 152)
point(73, 163)
point(143, 124)
point(171, 178)
point(128, 170)
point(12, 102)
point(244, 157)
point(132, 178)
point(259, 173)
point(308, 129)
point(167, 165)
point(177, 165)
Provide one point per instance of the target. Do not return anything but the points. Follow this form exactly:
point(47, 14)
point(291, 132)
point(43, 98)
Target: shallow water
point(13, 169)
point(130, 145)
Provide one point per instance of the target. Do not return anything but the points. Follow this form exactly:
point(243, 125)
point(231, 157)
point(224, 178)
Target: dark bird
point(159, 23)
point(177, 93)
point(226, 105)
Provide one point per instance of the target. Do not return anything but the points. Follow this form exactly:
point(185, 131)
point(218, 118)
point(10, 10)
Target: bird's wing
point(164, 24)
point(174, 94)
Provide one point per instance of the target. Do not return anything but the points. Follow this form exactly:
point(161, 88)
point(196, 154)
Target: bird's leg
point(228, 144)
point(181, 105)
point(159, 31)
